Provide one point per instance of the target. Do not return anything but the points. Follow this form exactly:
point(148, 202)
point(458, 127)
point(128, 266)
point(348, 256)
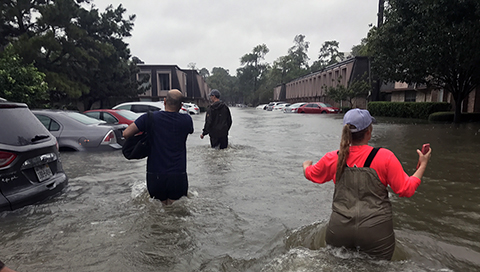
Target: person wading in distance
point(218, 121)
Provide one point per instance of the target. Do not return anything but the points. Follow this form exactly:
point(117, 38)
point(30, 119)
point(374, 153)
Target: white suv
point(191, 108)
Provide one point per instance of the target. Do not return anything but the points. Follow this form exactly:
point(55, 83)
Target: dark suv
point(30, 168)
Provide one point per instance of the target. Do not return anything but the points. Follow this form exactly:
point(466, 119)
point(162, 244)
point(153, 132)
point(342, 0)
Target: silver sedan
point(77, 132)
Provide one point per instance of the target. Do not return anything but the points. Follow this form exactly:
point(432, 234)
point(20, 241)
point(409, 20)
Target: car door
point(317, 108)
point(310, 108)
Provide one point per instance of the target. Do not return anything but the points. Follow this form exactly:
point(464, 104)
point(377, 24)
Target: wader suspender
point(371, 156)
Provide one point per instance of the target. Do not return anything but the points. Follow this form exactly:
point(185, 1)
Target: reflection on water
point(249, 207)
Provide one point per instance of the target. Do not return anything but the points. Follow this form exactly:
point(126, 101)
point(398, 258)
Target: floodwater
point(249, 206)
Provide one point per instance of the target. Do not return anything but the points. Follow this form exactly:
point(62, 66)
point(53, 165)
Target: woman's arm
point(423, 160)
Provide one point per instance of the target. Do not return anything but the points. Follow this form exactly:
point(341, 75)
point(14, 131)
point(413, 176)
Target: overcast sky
point(217, 33)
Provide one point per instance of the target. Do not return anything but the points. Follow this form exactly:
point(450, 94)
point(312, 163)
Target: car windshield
point(130, 115)
point(83, 118)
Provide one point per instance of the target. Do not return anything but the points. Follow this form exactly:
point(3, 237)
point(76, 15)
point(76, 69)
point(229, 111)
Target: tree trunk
point(457, 117)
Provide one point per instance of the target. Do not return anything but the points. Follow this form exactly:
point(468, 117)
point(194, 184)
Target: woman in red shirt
point(361, 216)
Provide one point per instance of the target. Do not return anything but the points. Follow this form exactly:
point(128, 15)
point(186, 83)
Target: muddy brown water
point(249, 206)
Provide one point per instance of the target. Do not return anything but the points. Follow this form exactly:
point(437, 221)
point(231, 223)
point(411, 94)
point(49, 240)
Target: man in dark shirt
point(218, 121)
point(167, 164)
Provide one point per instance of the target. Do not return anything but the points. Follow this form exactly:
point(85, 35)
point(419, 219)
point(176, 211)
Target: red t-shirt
point(387, 166)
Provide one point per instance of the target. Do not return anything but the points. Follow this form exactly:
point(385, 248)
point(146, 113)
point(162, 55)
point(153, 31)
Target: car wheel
point(324, 112)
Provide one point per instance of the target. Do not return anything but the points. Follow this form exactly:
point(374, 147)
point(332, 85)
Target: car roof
point(8, 104)
point(57, 112)
point(152, 103)
point(63, 117)
point(107, 110)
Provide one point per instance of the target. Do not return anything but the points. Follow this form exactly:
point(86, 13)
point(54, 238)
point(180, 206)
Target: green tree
point(293, 65)
point(328, 55)
point(221, 80)
point(361, 50)
point(20, 82)
point(287, 68)
point(204, 73)
point(357, 88)
point(298, 54)
point(430, 42)
point(80, 50)
point(250, 74)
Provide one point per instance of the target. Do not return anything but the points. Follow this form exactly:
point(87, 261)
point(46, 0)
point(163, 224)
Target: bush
point(448, 117)
point(419, 110)
point(441, 117)
point(345, 109)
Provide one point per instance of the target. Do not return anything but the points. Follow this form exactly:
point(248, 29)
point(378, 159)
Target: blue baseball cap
point(359, 118)
point(215, 92)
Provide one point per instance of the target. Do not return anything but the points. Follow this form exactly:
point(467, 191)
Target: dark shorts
point(219, 142)
point(167, 186)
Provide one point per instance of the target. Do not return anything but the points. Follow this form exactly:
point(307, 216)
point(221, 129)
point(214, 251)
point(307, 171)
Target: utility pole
point(378, 83)
point(381, 8)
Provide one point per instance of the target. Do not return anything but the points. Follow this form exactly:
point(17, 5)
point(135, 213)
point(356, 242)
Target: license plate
point(43, 172)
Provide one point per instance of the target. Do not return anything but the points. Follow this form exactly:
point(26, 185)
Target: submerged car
point(318, 107)
point(30, 167)
point(293, 108)
point(190, 108)
point(262, 107)
point(280, 107)
point(272, 105)
point(113, 116)
point(77, 132)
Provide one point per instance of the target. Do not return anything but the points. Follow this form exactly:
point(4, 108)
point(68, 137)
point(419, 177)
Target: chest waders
point(361, 216)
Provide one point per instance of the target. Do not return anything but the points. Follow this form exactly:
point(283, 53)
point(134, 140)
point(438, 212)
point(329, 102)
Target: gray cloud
point(215, 33)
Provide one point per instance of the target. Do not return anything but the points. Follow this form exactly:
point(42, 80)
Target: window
point(93, 114)
point(109, 118)
point(124, 107)
point(54, 126)
point(83, 118)
point(153, 108)
point(410, 96)
point(50, 124)
point(144, 78)
point(164, 82)
point(140, 108)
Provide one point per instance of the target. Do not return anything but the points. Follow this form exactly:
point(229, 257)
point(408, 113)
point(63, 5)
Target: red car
point(113, 116)
point(318, 107)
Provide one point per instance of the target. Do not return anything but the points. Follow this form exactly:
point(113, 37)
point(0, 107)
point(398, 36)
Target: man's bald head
point(173, 101)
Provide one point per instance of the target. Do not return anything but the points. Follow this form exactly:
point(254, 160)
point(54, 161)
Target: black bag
point(138, 146)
